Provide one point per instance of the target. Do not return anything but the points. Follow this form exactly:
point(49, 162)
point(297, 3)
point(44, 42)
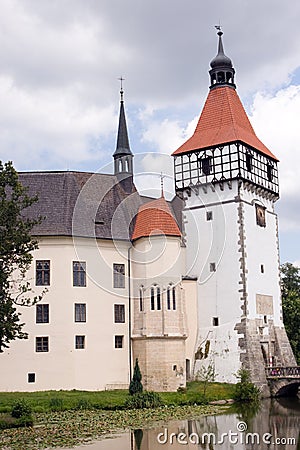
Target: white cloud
point(276, 122)
point(49, 128)
point(168, 135)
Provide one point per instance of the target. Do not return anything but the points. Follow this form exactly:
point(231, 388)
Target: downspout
point(129, 313)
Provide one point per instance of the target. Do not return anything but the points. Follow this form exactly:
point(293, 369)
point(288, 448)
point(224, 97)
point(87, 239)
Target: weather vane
point(219, 28)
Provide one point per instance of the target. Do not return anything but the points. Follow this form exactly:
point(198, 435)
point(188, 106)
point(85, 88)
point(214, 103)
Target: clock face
point(260, 215)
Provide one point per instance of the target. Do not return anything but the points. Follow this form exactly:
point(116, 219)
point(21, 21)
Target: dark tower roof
point(222, 71)
point(123, 147)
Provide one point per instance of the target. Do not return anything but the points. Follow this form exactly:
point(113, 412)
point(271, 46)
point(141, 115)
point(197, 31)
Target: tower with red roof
point(229, 181)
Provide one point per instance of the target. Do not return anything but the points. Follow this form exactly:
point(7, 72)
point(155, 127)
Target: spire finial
point(162, 183)
point(219, 29)
point(121, 79)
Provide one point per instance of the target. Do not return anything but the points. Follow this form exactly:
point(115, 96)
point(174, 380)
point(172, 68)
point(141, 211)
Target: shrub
point(136, 384)
point(83, 403)
point(21, 408)
point(56, 404)
point(25, 421)
point(245, 390)
point(141, 400)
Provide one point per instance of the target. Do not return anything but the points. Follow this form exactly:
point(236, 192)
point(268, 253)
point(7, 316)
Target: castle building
point(181, 285)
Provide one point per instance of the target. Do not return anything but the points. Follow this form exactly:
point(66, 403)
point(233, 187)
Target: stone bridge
point(283, 381)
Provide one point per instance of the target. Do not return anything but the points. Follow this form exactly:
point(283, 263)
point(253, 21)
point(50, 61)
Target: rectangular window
point(212, 267)
point(42, 344)
point(79, 273)
point(31, 378)
point(262, 268)
point(119, 341)
point(206, 165)
point(215, 321)
point(42, 313)
point(42, 274)
point(119, 313)
point(249, 162)
point(270, 172)
point(79, 342)
point(119, 275)
point(80, 312)
point(209, 215)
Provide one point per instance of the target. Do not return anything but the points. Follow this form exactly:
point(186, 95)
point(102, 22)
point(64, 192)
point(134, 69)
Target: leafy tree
point(16, 245)
point(245, 390)
point(290, 289)
point(136, 382)
point(206, 375)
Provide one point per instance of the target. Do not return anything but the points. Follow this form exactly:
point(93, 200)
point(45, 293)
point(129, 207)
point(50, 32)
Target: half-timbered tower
point(229, 181)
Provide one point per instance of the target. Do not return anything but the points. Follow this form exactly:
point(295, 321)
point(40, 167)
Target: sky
point(60, 61)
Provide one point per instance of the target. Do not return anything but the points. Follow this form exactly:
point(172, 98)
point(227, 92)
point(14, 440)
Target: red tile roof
point(223, 120)
point(155, 218)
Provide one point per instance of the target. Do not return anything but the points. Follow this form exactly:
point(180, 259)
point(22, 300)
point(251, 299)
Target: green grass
point(44, 401)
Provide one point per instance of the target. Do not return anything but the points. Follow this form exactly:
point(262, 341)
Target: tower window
point(152, 299)
point(158, 298)
point(212, 267)
point(141, 299)
point(171, 297)
point(209, 215)
point(262, 268)
point(79, 273)
point(119, 275)
point(42, 273)
point(206, 165)
point(119, 313)
point(155, 295)
point(269, 172)
point(215, 321)
point(249, 162)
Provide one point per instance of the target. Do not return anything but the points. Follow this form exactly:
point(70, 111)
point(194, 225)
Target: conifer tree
point(136, 382)
point(16, 245)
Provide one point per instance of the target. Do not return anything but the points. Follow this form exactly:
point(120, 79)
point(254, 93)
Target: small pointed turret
point(222, 71)
point(123, 155)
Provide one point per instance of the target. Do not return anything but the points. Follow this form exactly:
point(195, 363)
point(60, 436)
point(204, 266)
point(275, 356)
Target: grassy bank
point(109, 400)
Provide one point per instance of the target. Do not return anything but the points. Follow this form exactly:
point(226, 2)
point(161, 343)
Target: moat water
point(275, 424)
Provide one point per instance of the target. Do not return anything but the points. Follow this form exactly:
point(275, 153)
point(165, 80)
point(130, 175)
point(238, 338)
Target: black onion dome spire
point(222, 71)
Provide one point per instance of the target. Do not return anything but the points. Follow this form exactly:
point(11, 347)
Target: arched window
point(174, 298)
point(171, 297)
point(152, 304)
point(158, 298)
point(141, 298)
point(155, 298)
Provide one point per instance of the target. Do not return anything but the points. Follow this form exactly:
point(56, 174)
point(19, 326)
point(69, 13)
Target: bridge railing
point(283, 372)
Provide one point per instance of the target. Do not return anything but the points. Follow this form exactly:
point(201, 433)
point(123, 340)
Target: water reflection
point(275, 424)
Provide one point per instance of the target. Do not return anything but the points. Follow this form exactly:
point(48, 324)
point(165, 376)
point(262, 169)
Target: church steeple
point(222, 71)
point(123, 155)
